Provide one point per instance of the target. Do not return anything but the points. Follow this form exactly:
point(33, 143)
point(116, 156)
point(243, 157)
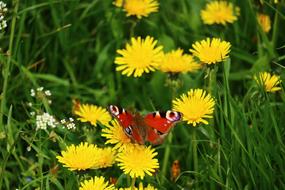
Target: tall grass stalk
point(7, 65)
point(195, 155)
point(173, 85)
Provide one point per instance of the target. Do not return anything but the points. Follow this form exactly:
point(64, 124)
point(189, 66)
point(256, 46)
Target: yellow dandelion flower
point(118, 3)
point(116, 136)
point(264, 21)
point(79, 157)
point(176, 61)
point(93, 114)
point(219, 12)
point(105, 158)
point(141, 187)
point(138, 160)
point(87, 156)
point(97, 183)
point(268, 81)
point(196, 105)
point(140, 56)
point(138, 8)
point(211, 51)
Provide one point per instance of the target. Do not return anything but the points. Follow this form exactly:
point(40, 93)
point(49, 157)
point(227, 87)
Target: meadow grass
point(69, 47)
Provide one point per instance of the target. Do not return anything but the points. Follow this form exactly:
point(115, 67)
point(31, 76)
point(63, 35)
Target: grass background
point(69, 48)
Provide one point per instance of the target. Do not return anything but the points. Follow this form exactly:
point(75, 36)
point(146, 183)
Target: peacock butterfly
point(153, 127)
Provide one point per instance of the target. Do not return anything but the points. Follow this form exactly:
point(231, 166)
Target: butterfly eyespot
point(128, 130)
point(114, 110)
point(172, 115)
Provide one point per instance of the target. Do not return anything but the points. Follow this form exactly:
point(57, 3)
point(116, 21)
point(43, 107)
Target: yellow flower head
point(268, 82)
point(264, 21)
point(86, 156)
point(138, 8)
point(93, 114)
point(97, 183)
point(140, 56)
point(196, 105)
point(118, 3)
point(211, 51)
point(81, 157)
point(105, 158)
point(138, 160)
point(115, 135)
point(141, 187)
point(176, 61)
point(219, 12)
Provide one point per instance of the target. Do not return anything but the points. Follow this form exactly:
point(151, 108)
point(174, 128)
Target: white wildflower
point(68, 123)
point(47, 93)
point(45, 120)
point(29, 148)
point(3, 7)
point(33, 93)
point(70, 126)
point(40, 89)
point(62, 121)
point(3, 10)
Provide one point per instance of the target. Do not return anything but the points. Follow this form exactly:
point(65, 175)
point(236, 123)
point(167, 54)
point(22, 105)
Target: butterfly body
point(152, 127)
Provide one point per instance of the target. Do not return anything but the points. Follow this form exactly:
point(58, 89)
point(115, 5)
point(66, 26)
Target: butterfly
point(153, 127)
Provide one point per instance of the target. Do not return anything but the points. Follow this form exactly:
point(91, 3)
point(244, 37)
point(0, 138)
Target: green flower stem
point(133, 183)
point(194, 151)
point(174, 84)
point(132, 28)
point(166, 158)
point(6, 69)
point(212, 80)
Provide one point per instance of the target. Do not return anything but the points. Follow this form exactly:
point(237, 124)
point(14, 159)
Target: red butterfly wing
point(162, 121)
point(124, 117)
point(154, 127)
point(129, 123)
point(159, 124)
point(154, 137)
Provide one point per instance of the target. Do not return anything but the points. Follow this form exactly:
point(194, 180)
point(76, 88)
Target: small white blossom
point(68, 123)
point(40, 89)
point(33, 94)
point(49, 101)
point(45, 120)
point(3, 10)
point(47, 93)
point(30, 104)
point(3, 6)
point(32, 113)
point(29, 148)
point(70, 126)
point(3, 24)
